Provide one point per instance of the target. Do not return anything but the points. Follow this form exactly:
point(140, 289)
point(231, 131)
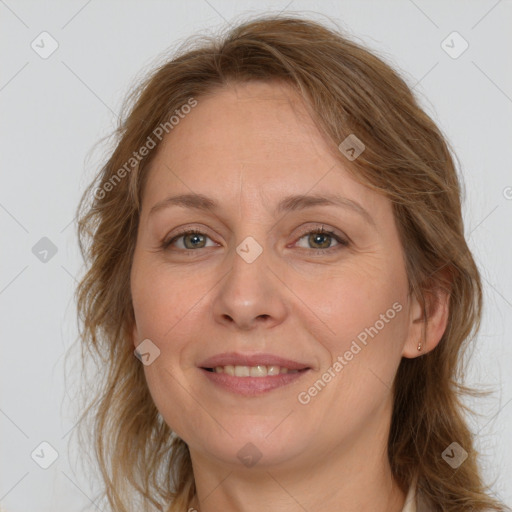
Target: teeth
point(252, 371)
point(242, 371)
point(273, 370)
point(258, 371)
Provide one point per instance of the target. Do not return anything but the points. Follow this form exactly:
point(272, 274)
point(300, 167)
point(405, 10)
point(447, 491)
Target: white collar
point(410, 499)
point(413, 501)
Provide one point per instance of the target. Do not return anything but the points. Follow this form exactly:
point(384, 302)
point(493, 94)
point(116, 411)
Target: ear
point(427, 335)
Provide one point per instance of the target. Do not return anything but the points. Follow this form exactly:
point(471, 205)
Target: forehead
point(255, 139)
point(246, 123)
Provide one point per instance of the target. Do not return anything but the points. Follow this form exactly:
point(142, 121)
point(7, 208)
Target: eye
point(321, 240)
point(190, 239)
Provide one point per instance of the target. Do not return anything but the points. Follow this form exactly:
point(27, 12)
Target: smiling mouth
point(253, 371)
point(251, 374)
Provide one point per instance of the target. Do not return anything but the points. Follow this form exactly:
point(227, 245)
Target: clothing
point(410, 500)
point(413, 501)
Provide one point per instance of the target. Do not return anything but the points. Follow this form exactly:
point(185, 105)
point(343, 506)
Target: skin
point(247, 146)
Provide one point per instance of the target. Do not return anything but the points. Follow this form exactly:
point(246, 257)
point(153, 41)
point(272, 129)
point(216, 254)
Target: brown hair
point(347, 90)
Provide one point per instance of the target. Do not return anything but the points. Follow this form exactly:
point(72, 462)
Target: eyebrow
point(289, 203)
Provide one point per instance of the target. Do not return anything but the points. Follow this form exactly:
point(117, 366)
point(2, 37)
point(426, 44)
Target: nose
point(251, 294)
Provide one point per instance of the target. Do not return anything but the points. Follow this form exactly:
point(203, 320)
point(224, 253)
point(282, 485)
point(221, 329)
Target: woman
point(278, 239)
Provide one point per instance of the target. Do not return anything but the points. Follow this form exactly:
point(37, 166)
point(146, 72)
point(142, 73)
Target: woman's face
point(259, 288)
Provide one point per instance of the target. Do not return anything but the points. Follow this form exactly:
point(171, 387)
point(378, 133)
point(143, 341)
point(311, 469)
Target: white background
point(53, 111)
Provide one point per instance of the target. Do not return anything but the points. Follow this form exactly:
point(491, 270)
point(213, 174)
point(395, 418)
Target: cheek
point(360, 320)
point(166, 307)
point(361, 324)
point(345, 301)
point(165, 300)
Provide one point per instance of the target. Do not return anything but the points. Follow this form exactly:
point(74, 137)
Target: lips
point(251, 374)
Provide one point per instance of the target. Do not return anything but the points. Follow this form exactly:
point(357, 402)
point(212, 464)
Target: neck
point(354, 476)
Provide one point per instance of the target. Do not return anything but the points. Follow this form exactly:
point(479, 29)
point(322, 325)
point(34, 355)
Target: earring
point(419, 346)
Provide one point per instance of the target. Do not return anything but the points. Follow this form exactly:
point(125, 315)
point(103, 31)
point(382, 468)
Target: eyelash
point(342, 242)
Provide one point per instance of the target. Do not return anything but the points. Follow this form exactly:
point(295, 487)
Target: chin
point(252, 443)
